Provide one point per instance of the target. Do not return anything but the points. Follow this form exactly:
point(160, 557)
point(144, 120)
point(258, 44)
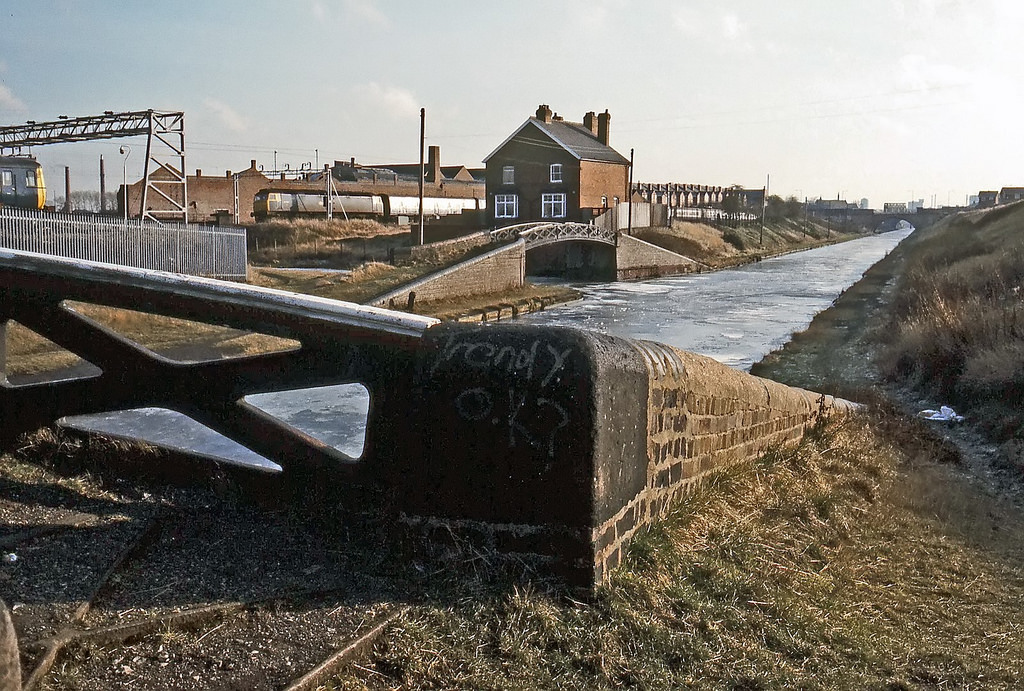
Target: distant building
point(1008, 195)
point(207, 194)
point(895, 208)
point(550, 168)
point(212, 198)
point(864, 204)
point(678, 195)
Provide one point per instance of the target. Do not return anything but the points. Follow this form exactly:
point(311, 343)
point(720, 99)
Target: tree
point(87, 200)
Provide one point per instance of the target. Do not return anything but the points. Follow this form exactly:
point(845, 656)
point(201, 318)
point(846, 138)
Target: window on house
point(556, 172)
point(604, 201)
point(553, 205)
point(508, 175)
point(506, 206)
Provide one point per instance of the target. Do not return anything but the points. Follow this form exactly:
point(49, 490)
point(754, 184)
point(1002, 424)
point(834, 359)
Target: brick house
point(552, 169)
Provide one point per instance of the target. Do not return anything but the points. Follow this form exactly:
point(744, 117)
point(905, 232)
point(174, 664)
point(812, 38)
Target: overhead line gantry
point(165, 150)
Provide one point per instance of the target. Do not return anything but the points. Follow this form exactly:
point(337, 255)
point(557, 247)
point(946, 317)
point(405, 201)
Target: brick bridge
point(553, 444)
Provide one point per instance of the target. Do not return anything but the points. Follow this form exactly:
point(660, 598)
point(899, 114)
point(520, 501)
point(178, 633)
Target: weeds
point(828, 566)
point(957, 322)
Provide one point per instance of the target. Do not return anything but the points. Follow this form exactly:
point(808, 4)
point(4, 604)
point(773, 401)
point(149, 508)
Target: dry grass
point(847, 563)
point(30, 354)
point(725, 246)
point(957, 323)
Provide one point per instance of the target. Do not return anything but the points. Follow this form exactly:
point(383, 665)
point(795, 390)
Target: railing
point(179, 248)
point(536, 234)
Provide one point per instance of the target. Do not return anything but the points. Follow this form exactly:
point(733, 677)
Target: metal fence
point(180, 248)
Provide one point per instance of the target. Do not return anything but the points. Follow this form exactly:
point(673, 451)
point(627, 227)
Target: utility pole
point(423, 131)
point(629, 195)
point(764, 207)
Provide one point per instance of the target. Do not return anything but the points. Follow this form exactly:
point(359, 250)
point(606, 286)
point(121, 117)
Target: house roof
point(571, 136)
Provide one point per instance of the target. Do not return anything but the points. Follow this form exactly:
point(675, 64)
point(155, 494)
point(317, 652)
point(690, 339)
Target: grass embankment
point(720, 247)
point(854, 561)
point(956, 327)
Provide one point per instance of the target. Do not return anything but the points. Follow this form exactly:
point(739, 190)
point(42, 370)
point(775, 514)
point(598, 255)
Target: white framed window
point(604, 201)
point(508, 175)
point(556, 172)
point(506, 206)
point(552, 205)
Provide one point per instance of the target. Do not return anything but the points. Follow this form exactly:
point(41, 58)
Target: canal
point(736, 316)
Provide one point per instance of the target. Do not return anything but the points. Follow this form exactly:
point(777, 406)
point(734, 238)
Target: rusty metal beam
point(340, 343)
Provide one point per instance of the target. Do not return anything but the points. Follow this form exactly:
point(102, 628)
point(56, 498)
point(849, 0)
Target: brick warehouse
point(552, 169)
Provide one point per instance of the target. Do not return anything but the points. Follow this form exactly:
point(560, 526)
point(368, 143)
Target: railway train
point(282, 203)
point(21, 182)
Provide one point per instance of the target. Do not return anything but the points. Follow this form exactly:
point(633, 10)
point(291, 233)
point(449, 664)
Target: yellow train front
point(21, 183)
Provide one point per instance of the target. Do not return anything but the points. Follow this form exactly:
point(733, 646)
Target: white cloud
point(732, 28)
point(227, 115)
point(368, 11)
point(8, 101)
point(395, 102)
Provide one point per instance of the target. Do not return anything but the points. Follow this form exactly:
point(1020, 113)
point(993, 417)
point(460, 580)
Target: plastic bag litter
point(943, 414)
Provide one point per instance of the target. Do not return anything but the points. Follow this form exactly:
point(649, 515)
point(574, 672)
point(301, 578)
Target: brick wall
point(701, 417)
point(637, 259)
point(498, 270)
point(557, 445)
point(602, 179)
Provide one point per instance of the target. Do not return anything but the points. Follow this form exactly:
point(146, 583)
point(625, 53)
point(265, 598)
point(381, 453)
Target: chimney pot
point(544, 113)
point(252, 163)
point(199, 173)
point(227, 174)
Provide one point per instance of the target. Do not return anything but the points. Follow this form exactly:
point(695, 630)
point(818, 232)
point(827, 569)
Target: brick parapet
point(701, 418)
point(559, 445)
point(637, 259)
point(498, 270)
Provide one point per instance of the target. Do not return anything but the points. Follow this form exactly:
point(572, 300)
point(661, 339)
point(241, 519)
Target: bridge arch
point(576, 250)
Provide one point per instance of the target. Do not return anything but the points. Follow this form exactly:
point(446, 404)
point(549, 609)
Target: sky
point(889, 100)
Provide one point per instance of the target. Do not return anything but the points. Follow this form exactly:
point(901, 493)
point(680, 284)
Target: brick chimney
point(252, 163)
point(199, 172)
point(557, 118)
point(590, 122)
point(544, 113)
point(434, 165)
point(603, 122)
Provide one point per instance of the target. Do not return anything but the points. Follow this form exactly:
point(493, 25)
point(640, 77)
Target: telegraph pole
point(629, 195)
point(764, 207)
point(423, 131)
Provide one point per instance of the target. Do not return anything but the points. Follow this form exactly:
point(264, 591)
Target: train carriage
point(21, 182)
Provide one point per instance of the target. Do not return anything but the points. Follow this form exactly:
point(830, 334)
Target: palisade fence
point(191, 249)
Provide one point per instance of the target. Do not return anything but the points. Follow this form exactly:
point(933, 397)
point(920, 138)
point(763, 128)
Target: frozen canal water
point(735, 316)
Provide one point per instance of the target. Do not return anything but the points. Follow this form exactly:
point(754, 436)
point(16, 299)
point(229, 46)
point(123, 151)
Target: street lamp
point(125, 151)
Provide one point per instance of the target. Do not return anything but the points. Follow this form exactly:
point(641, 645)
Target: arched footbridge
point(547, 233)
